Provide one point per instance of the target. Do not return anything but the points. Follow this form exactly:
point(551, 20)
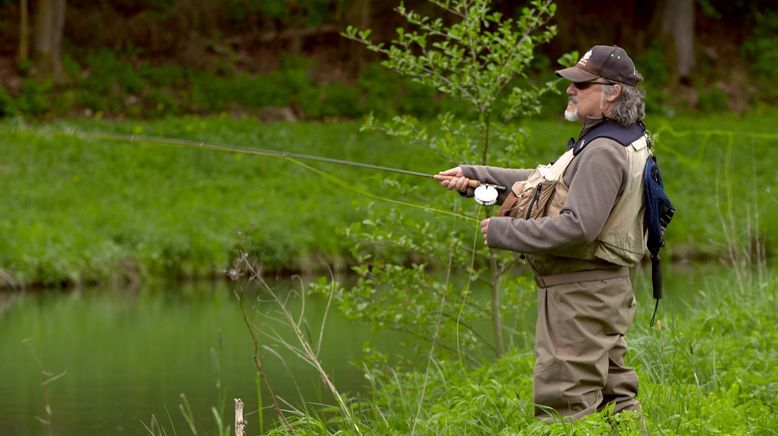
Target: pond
point(103, 361)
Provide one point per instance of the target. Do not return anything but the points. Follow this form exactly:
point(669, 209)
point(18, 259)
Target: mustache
point(572, 100)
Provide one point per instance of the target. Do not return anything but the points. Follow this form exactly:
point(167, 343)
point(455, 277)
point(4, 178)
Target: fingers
point(456, 172)
point(485, 229)
point(453, 183)
point(453, 179)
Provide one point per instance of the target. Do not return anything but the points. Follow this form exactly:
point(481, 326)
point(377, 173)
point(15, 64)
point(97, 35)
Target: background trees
point(195, 45)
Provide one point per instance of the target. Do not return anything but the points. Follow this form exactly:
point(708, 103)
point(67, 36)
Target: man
point(580, 224)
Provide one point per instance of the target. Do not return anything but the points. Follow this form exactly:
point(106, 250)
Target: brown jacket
point(596, 179)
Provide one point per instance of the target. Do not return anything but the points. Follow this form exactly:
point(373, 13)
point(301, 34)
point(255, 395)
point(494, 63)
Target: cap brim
point(576, 74)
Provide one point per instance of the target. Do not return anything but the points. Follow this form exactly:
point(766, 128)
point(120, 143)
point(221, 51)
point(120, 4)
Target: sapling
point(480, 59)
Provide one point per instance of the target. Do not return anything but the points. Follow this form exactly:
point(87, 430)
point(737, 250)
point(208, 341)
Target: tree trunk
point(677, 27)
point(24, 32)
point(354, 13)
point(47, 45)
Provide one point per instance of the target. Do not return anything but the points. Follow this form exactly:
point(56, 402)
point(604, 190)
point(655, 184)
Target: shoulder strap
point(609, 129)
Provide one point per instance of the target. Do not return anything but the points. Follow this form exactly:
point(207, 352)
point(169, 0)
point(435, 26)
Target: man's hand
point(453, 179)
point(485, 228)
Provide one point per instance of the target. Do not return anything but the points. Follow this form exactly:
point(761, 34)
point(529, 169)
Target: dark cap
point(609, 62)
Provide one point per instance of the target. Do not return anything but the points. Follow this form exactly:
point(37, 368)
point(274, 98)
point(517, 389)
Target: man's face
point(583, 100)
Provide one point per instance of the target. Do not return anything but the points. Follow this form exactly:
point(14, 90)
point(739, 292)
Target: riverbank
point(85, 211)
point(708, 369)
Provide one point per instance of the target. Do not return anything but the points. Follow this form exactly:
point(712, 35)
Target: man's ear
point(616, 94)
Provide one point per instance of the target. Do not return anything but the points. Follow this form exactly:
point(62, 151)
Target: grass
point(82, 211)
point(707, 370)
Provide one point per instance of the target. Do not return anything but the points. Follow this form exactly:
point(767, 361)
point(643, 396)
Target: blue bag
point(658, 214)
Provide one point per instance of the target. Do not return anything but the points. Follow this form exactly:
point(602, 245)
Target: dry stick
point(240, 424)
point(260, 368)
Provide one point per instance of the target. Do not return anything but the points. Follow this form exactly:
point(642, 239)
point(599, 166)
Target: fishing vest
point(622, 240)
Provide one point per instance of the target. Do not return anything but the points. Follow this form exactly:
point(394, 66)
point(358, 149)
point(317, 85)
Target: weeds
point(306, 351)
point(257, 362)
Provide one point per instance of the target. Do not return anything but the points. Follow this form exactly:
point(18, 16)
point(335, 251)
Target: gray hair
point(630, 105)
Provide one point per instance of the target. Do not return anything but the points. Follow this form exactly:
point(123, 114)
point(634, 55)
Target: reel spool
point(485, 195)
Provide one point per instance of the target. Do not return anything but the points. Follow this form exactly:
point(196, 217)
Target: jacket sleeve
point(595, 187)
point(494, 176)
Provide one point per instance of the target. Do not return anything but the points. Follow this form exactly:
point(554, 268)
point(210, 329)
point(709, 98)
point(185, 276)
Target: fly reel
point(486, 195)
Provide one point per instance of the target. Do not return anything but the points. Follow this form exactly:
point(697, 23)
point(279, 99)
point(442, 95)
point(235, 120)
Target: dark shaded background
point(166, 56)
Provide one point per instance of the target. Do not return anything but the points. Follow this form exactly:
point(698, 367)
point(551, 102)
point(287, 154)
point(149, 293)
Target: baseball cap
point(603, 61)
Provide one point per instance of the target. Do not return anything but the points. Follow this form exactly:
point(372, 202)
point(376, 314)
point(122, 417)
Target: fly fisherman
point(579, 221)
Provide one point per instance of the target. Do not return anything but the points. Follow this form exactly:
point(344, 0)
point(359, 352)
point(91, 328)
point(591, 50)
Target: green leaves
point(475, 57)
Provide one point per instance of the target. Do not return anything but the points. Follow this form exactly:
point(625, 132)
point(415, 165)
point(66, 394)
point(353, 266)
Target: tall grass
point(707, 370)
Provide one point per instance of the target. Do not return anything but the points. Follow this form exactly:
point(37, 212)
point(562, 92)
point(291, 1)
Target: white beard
point(572, 115)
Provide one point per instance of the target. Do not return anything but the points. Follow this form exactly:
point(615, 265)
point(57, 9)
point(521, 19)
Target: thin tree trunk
point(47, 45)
point(24, 32)
point(485, 121)
point(354, 13)
point(677, 28)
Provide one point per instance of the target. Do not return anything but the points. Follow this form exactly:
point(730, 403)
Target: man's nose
point(570, 89)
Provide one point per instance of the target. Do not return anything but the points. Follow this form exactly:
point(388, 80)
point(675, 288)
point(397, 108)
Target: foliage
point(475, 59)
point(762, 49)
point(712, 99)
point(653, 65)
point(111, 84)
point(421, 277)
point(705, 370)
point(228, 47)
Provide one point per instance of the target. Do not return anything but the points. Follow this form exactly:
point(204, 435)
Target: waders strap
point(581, 276)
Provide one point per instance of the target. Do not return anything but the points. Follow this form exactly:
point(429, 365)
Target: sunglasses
point(583, 85)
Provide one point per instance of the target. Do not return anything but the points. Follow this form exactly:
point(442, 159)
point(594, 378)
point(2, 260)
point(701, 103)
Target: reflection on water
point(127, 356)
point(123, 356)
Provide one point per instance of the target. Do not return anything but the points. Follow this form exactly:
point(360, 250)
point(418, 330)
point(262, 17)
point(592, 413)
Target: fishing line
point(291, 157)
point(465, 294)
point(344, 184)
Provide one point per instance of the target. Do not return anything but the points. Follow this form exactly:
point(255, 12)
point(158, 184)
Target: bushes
point(762, 49)
point(113, 84)
point(108, 83)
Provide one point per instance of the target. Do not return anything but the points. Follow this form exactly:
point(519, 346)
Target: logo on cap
point(585, 58)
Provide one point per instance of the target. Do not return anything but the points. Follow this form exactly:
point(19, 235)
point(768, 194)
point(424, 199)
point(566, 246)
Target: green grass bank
point(708, 369)
point(79, 211)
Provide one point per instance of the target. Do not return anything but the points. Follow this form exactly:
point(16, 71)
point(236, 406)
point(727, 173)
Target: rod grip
point(470, 182)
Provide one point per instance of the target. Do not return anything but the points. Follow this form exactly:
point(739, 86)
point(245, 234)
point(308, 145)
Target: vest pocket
point(529, 199)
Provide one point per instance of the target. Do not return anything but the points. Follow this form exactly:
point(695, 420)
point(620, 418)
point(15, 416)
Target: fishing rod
point(484, 194)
